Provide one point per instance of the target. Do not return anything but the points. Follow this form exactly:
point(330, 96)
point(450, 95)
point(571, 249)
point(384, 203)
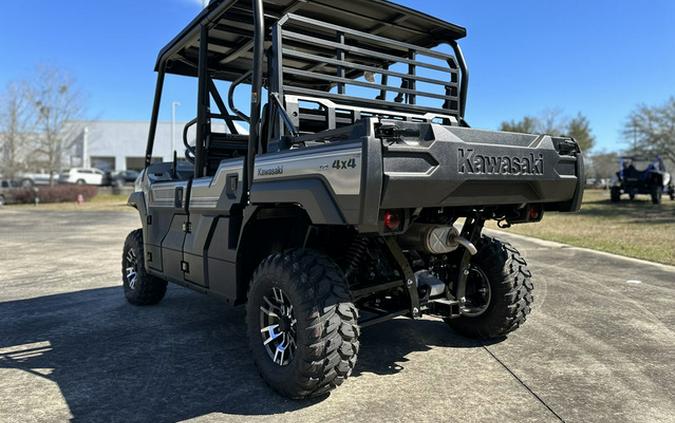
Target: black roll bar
point(203, 102)
point(464, 83)
point(155, 114)
point(230, 97)
point(256, 94)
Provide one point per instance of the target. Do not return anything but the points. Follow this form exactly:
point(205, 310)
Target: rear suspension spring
point(355, 254)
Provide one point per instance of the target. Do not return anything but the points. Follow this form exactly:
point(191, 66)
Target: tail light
point(392, 220)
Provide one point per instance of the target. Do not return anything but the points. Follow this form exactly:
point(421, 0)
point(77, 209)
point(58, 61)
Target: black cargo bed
point(427, 165)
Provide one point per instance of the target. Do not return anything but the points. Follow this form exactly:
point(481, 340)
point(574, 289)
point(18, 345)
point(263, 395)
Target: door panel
point(166, 214)
point(195, 241)
point(210, 204)
point(172, 248)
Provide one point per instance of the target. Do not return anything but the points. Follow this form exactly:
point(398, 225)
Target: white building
point(120, 145)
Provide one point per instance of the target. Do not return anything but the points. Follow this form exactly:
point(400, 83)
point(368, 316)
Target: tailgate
point(428, 165)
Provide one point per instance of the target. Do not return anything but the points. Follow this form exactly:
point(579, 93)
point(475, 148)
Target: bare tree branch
point(17, 124)
point(57, 103)
point(650, 130)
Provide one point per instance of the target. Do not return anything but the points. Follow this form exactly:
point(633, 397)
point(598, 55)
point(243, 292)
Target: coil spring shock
point(355, 255)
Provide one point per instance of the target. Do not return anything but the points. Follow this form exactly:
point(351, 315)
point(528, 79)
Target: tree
point(650, 130)
point(16, 126)
point(579, 128)
point(603, 165)
point(525, 126)
point(57, 104)
point(553, 122)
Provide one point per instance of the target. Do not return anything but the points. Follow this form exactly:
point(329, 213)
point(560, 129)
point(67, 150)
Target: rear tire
point(510, 286)
point(140, 287)
point(80, 182)
point(320, 334)
point(615, 194)
point(656, 194)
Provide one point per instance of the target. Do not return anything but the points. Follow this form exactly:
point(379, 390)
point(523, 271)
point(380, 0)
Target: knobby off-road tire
point(326, 330)
point(656, 193)
point(140, 288)
point(510, 288)
point(615, 194)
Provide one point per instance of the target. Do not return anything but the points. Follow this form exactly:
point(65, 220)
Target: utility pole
point(174, 104)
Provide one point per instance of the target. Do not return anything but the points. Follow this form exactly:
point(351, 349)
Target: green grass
point(636, 228)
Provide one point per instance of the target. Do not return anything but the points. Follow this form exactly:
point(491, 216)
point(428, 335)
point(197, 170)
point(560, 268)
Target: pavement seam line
point(523, 384)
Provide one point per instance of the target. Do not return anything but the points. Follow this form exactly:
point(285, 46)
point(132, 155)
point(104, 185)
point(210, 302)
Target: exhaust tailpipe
point(435, 239)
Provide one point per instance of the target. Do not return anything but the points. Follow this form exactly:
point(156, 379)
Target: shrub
point(55, 194)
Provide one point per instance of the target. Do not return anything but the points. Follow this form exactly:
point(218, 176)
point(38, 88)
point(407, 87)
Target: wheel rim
point(478, 293)
point(130, 267)
point(278, 327)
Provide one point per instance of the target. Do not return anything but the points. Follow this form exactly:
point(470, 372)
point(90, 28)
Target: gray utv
point(357, 194)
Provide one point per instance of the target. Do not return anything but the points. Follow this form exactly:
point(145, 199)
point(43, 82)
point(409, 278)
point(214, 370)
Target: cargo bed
point(426, 165)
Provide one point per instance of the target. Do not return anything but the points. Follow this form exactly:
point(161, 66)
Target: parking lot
point(599, 345)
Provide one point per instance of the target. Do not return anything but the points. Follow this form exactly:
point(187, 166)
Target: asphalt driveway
point(599, 345)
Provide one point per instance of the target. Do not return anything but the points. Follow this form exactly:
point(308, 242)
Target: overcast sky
point(597, 57)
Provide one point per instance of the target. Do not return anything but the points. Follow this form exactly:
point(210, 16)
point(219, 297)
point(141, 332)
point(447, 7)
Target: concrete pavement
point(599, 345)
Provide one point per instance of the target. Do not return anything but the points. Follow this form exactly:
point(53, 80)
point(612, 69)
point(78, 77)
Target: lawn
point(101, 202)
point(636, 228)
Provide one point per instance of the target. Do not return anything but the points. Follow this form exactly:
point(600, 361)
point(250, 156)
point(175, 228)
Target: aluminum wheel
point(130, 266)
point(278, 327)
point(478, 293)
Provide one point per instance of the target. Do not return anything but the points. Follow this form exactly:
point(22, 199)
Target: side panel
point(172, 248)
point(325, 180)
point(221, 261)
point(206, 249)
point(166, 213)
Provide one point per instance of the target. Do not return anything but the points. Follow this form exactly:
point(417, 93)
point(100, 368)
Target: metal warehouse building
point(120, 145)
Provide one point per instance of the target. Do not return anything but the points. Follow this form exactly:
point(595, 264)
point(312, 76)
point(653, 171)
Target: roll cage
point(317, 61)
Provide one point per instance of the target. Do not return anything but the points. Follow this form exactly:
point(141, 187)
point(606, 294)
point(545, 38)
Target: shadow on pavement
point(185, 358)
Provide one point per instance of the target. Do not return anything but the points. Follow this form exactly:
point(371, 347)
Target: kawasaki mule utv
point(357, 195)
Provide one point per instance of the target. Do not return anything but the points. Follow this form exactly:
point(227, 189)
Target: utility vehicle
point(358, 195)
point(653, 180)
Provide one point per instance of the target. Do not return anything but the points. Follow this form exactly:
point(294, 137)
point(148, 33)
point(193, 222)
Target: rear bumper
point(428, 165)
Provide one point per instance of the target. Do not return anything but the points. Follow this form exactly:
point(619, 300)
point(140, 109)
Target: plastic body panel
point(461, 167)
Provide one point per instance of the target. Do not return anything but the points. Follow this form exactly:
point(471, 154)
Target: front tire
point(140, 287)
point(302, 325)
point(502, 275)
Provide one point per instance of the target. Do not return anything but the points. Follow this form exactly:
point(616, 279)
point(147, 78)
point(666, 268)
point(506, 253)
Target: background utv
point(338, 209)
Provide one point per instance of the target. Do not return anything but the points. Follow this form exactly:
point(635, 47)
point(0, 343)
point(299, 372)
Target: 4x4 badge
point(344, 164)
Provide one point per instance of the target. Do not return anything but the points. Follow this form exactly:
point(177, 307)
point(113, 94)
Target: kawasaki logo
point(271, 171)
point(482, 164)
